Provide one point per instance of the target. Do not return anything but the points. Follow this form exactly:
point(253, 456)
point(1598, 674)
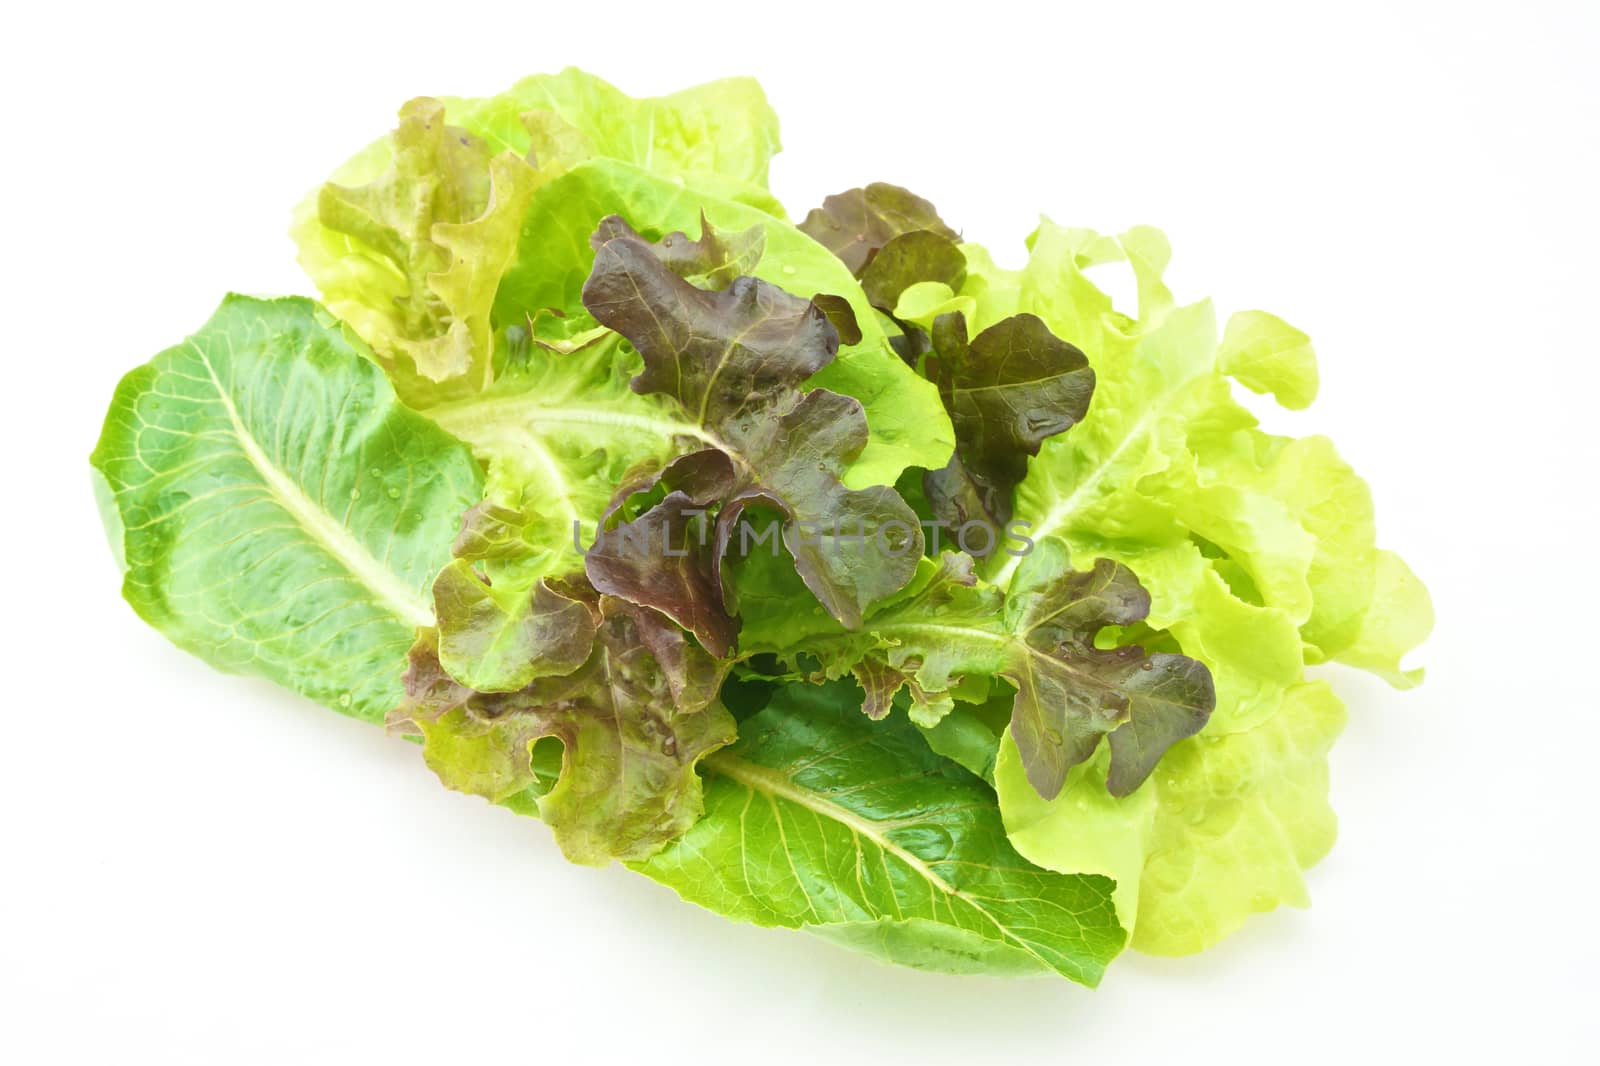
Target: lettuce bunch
point(824, 571)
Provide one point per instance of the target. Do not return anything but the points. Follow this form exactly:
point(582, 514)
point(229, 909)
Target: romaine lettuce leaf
point(275, 509)
point(823, 820)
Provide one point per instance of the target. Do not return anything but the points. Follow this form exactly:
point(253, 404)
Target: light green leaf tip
point(1267, 355)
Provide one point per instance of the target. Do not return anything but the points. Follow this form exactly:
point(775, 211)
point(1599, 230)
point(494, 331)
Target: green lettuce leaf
point(411, 238)
point(819, 819)
point(633, 719)
point(969, 733)
point(275, 509)
point(1265, 354)
point(1225, 830)
point(1399, 618)
point(719, 137)
point(412, 257)
point(559, 431)
point(1259, 554)
point(1169, 464)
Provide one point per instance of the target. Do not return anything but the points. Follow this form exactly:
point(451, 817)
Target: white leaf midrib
point(320, 526)
point(777, 785)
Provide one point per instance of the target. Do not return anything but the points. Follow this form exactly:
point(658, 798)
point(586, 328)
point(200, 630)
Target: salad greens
point(830, 574)
point(275, 509)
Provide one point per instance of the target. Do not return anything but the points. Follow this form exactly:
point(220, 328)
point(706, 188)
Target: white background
point(198, 868)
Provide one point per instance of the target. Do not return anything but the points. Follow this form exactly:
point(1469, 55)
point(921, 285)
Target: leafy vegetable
point(275, 510)
point(857, 224)
point(802, 568)
point(634, 719)
point(1223, 831)
point(1069, 693)
point(719, 136)
point(410, 240)
point(1257, 550)
point(734, 361)
point(1013, 387)
point(908, 425)
point(822, 820)
point(413, 257)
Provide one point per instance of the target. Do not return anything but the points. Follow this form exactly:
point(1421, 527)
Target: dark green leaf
point(818, 819)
